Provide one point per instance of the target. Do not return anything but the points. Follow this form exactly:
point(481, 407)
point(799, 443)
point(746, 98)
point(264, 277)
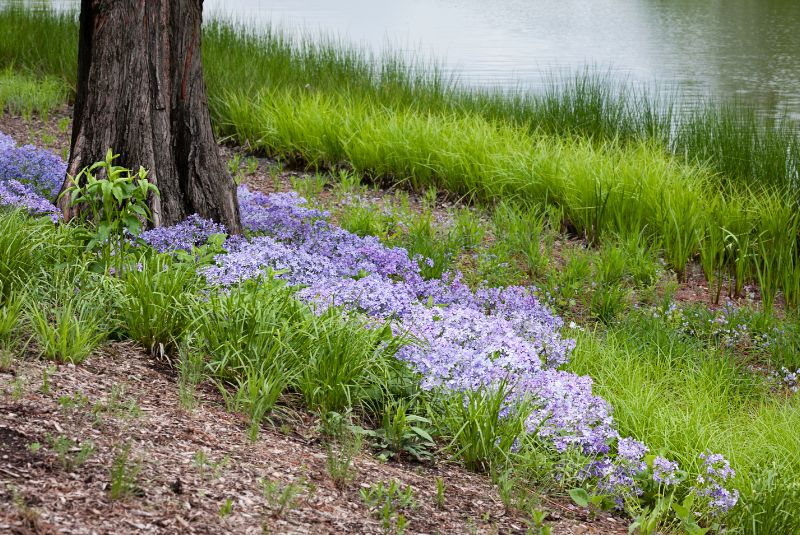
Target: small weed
point(47, 371)
point(401, 433)
point(190, 373)
point(6, 360)
point(226, 508)
point(340, 458)
point(440, 488)
point(70, 455)
point(234, 164)
point(18, 387)
point(506, 488)
point(386, 501)
point(10, 314)
point(309, 186)
point(207, 467)
point(34, 447)
point(124, 473)
point(251, 165)
point(77, 400)
point(280, 498)
point(119, 407)
point(537, 525)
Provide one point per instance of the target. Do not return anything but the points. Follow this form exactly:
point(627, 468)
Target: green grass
point(730, 137)
point(599, 188)
point(21, 94)
point(680, 398)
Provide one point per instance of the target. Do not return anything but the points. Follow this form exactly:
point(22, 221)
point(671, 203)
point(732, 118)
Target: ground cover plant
point(485, 367)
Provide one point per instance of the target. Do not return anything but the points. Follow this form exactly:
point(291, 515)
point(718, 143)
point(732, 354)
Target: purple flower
point(665, 472)
point(190, 233)
point(710, 484)
point(14, 194)
point(38, 168)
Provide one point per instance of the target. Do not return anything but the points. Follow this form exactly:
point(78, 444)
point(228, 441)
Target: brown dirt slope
point(190, 464)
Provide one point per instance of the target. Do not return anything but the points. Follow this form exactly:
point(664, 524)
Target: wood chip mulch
point(192, 464)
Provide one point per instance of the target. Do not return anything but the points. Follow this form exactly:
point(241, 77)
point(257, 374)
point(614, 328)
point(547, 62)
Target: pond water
point(748, 49)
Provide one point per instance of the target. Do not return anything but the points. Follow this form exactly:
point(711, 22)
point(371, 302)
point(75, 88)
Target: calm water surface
point(747, 49)
point(705, 48)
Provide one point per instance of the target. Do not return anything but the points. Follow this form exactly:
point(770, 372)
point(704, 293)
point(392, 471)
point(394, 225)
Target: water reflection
point(748, 49)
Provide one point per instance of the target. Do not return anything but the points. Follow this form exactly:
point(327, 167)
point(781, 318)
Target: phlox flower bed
point(465, 344)
point(465, 341)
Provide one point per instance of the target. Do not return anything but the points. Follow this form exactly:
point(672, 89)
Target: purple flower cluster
point(14, 194)
point(665, 472)
point(464, 339)
point(711, 483)
point(38, 168)
point(190, 233)
point(788, 379)
point(27, 176)
point(617, 476)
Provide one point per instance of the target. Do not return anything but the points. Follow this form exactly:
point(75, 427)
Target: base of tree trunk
point(141, 93)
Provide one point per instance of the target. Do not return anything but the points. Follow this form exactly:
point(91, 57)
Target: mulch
point(193, 462)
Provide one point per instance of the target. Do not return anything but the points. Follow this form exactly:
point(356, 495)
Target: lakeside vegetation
point(718, 181)
point(590, 159)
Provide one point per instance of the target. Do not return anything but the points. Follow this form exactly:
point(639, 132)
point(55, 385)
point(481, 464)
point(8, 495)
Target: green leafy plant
point(537, 525)
point(208, 467)
point(191, 367)
point(440, 488)
point(202, 255)
point(47, 371)
point(226, 508)
point(113, 200)
point(386, 501)
point(158, 294)
point(401, 432)
point(71, 453)
point(482, 433)
point(592, 501)
point(77, 400)
point(10, 314)
point(340, 458)
point(280, 498)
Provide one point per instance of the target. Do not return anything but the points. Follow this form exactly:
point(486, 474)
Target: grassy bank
point(590, 158)
point(680, 377)
point(738, 145)
point(610, 157)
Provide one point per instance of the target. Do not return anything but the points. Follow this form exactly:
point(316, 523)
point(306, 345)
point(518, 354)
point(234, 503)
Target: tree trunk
point(141, 93)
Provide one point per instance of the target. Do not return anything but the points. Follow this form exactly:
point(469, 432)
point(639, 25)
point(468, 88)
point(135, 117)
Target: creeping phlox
point(29, 178)
point(463, 339)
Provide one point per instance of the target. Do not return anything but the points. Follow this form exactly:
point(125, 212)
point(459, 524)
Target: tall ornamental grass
point(741, 146)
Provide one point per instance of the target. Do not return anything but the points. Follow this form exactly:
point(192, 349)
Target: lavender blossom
point(192, 232)
point(665, 472)
point(38, 168)
point(710, 484)
point(14, 194)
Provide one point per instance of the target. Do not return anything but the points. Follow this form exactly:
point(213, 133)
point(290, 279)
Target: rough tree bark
point(141, 92)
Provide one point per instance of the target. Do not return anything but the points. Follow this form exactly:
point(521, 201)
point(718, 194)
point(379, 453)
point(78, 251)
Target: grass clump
point(66, 333)
point(24, 95)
